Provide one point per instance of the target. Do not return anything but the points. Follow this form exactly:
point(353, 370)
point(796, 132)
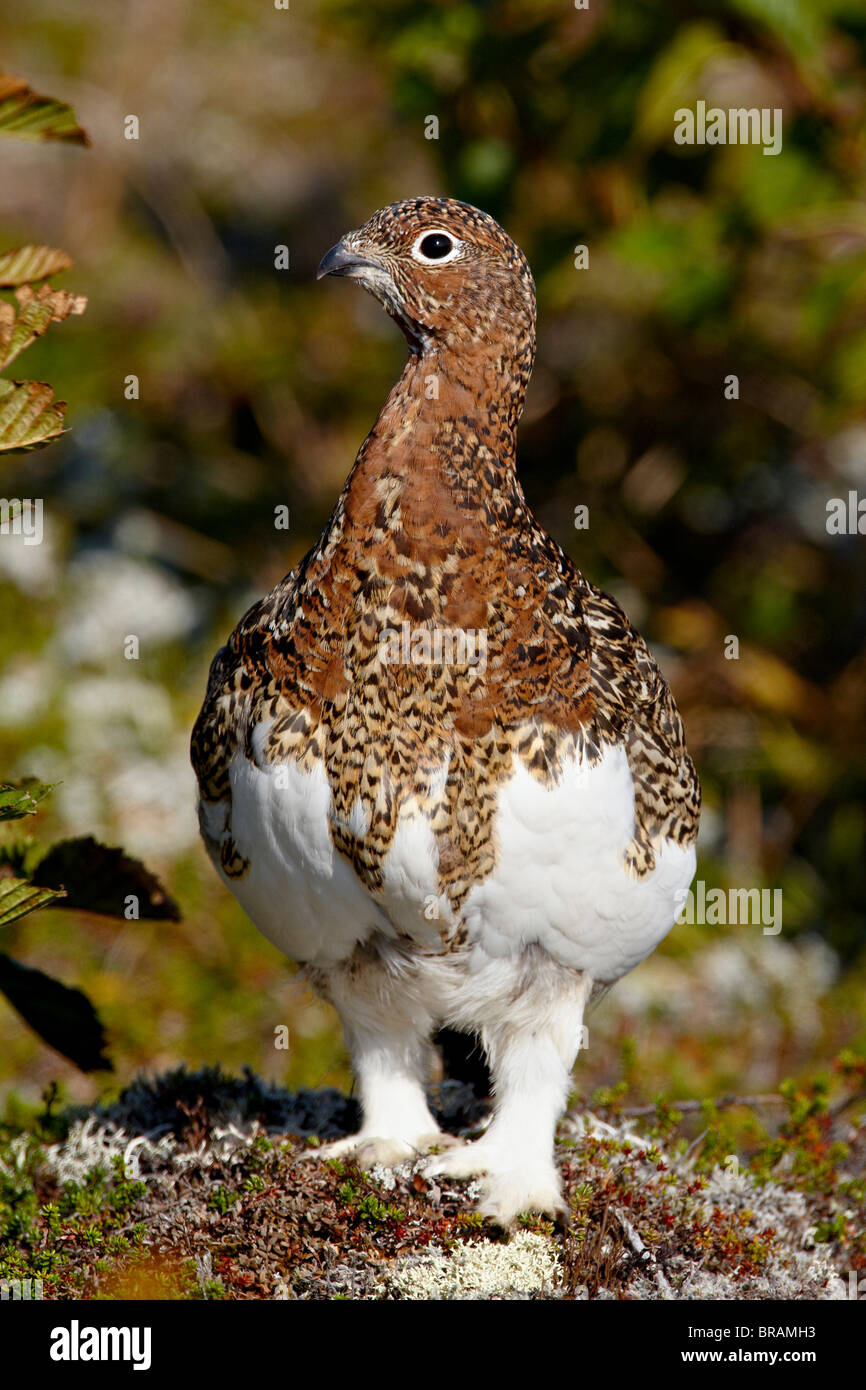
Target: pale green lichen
point(527, 1266)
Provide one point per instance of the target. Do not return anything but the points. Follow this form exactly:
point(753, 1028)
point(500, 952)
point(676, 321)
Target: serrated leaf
point(24, 265)
point(30, 417)
point(25, 115)
point(22, 798)
point(63, 1017)
point(18, 897)
point(97, 878)
point(36, 310)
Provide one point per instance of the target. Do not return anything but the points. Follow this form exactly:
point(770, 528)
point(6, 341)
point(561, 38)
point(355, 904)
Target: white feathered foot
point(388, 1040)
point(370, 1149)
point(531, 1047)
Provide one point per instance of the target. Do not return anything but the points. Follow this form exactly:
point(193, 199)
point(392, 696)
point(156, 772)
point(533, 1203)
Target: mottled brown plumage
point(432, 528)
point(479, 843)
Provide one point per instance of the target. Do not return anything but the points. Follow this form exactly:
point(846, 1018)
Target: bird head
point(446, 273)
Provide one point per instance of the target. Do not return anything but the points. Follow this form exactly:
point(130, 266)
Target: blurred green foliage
point(707, 515)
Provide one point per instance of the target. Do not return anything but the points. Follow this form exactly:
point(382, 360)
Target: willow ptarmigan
point(437, 766)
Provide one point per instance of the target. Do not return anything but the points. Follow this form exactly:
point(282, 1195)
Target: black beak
point(341, 261)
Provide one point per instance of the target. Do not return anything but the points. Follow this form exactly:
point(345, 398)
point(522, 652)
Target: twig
point(842, 1105)
point(693, 1145)
point(644, 1255)
point(689, 1106)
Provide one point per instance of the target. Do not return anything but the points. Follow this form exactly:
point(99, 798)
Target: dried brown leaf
point(37, 309)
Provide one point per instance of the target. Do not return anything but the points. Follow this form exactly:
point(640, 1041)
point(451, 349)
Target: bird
point(437, 767)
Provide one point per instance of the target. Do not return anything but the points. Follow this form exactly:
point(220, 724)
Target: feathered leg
point(387, 1029)
point(531, 1039)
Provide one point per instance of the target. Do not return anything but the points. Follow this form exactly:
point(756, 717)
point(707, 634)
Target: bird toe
point(370, 1149)
point(506, 1190)
point(505, 1196)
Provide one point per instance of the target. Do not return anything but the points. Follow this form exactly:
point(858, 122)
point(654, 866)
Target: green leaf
point(18, 897)
point(97, 878)
point(30, 417)
point(22, 798)
point(26, 264)
point(24, 115)
point(63, 1017)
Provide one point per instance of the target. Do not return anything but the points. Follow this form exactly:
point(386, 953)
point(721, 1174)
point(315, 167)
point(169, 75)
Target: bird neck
point(452, 416)
point(436, 474)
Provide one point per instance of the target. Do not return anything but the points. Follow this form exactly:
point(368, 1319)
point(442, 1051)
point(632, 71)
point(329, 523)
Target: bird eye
point(435, 246)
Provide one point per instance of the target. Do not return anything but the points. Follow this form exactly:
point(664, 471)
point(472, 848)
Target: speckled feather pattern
point(432, 529)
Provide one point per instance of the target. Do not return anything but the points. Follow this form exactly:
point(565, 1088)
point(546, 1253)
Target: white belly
point(559, 878)
point(558, 881)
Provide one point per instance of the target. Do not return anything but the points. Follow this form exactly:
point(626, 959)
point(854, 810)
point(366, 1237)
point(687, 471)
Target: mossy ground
point(189, 1188)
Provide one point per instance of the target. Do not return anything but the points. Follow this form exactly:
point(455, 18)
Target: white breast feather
point(559, 879)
